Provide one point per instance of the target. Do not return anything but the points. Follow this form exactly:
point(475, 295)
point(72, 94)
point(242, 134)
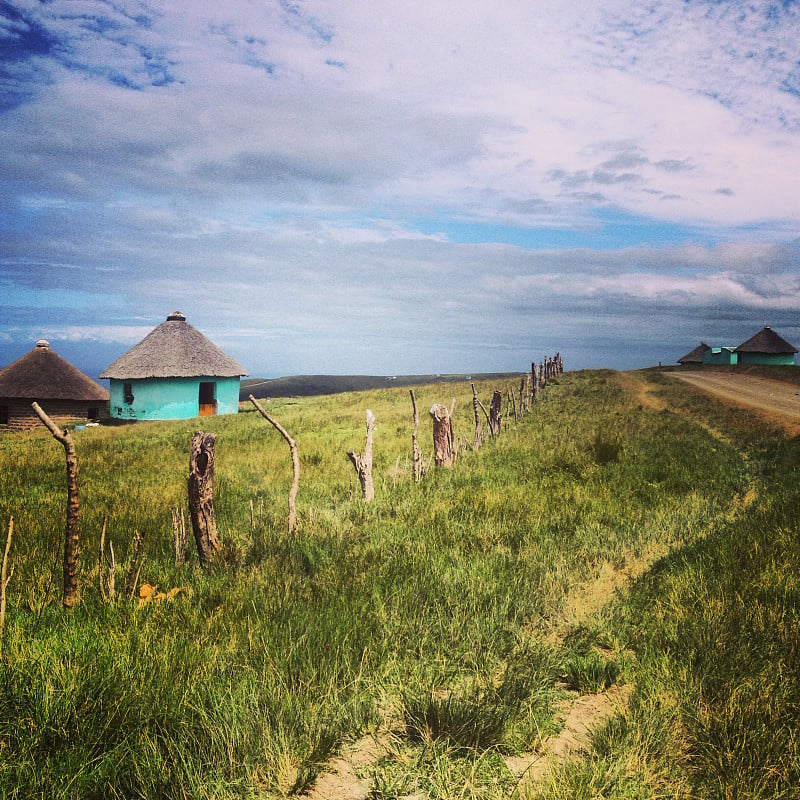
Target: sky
point(399, 188)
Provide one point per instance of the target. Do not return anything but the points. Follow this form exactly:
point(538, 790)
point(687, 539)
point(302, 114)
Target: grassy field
point(627, 532)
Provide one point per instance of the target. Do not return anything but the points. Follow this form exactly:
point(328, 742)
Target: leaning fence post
point(72, 529)
point(4, 579)
point(295, 462)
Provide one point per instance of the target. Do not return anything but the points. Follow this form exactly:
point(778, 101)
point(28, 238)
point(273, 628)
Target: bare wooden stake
point(135, 565)
point(201, 496)
point(101, 560)
point(442, 436)
point(106, 566)
point(5, 578)
point(72, 528)
point(495, 412)
point(179, 534)
point(415, 453)
point(112, 571)
point(476, 442)
point(295, 463)
point(363, 463)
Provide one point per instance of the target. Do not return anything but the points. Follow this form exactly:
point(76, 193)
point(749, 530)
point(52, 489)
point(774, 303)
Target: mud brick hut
point(63, 391)
point(766, 347)
point(175, 372)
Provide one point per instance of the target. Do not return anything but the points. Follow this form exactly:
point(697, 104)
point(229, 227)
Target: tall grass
point(444, 612)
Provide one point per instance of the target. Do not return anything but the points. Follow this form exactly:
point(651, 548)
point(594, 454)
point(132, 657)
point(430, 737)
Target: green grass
point(455, 614)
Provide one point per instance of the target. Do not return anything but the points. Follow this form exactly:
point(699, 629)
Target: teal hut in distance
point(173, 373)
point(721, 355)
point(766, 347)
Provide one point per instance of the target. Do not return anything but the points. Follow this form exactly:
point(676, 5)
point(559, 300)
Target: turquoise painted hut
point(173, 373)
point(766, 347)
point(721, 355)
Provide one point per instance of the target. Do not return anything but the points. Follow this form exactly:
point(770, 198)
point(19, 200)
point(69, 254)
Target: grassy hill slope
point(312, 385)
point(626, 531)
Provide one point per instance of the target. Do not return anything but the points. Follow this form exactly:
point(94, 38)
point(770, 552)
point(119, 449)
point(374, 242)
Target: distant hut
point(63, 391)
point(766, 347)
point(695, 356)
point(721, 355)
point(173, 373)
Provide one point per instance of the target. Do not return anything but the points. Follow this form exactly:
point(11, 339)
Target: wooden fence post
point(201, 496)
point(442, 436)
point(4, 579)
point(295, 462)
point(478, 435)
point(363, 463)
point(72, 529)
point(416, 456)
point(494, 412)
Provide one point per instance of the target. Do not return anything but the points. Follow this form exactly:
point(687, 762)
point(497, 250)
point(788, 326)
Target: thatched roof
point(42, 374)
point(696, 355)
point(766, 341)
point(174, 350)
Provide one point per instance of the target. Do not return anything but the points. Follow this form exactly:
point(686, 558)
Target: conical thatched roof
point(174, 350)
point(766, 341)
point(696, 355)
point(42, 374)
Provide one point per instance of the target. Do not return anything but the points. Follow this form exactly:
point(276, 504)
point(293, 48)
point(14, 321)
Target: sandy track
point(776, 401)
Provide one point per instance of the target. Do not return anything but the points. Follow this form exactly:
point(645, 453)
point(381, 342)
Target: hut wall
point(170, 398)
point(17, 414)
point(775, 359)
point(720, 355)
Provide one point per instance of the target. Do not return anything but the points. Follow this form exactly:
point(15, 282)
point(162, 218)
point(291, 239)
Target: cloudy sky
point(392, 188)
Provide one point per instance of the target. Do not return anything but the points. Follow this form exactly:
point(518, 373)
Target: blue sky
point(389, 188)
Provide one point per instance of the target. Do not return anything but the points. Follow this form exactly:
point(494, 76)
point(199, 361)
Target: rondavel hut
point(63, 391)
point(175, 372)
point(695, 356)
point(766, 347)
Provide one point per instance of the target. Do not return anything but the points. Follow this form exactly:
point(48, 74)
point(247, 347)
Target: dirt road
point(775, 401)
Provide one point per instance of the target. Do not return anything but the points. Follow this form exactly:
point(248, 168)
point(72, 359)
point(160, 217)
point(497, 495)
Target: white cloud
point(303, 164)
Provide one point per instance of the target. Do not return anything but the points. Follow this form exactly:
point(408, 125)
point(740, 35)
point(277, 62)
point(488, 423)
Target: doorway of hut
point(208, 399)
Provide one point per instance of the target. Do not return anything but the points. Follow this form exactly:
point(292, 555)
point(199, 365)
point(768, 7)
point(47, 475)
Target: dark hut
point(63, 391)
point(695, 356)
point(766, 347)
point(174, 373)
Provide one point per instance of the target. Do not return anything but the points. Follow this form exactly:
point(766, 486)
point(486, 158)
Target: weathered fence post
point(201, 496)
point(5, 578)
point(442, 436)
point(478, 436)
point(494, 412)
point(106, 583)
point(295, 462)
point(363, 463)
point(72, 530)
point(179, 535)
point(416, 456)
